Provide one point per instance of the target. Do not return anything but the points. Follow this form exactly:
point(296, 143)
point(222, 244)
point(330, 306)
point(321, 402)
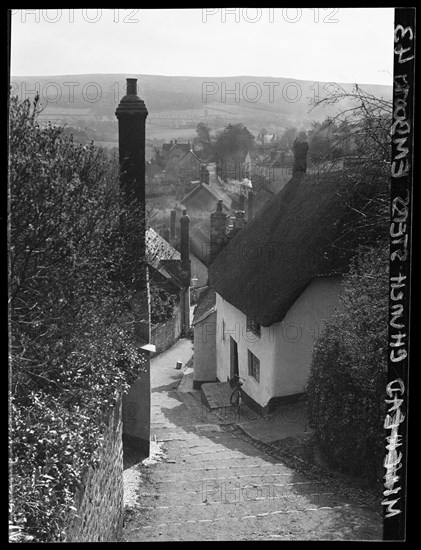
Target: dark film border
point(395, 425)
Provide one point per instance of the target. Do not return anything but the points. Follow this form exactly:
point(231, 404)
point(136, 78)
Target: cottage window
point(223, 330)
point(252, 326)
point(254, 366)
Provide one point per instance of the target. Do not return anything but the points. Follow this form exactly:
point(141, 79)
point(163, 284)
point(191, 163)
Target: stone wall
point(99, 501)
point(164, 335)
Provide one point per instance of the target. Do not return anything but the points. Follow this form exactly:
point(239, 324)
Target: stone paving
point(206, 480)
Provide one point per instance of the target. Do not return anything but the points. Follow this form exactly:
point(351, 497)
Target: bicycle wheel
point(235, 397)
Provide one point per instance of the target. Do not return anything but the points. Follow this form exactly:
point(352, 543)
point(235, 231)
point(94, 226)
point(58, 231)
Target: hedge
point(346, 387)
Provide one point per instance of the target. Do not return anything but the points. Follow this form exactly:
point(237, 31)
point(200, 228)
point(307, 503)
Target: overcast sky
point(341, 45)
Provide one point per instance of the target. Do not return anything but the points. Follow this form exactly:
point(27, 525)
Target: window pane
point(253, 366)
point(253, 326)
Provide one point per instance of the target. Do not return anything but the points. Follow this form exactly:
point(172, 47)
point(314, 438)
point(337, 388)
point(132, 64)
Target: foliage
point(349, 367)
point(204, 141)
point(234, 140)
point(79, 135)
point(287, 139)
point(320, 141)
point(162, 303)
point(259, 182)
point(359, 138)
point(348, 372)
point(73, 257)
point(261, 136)
point(361, 130)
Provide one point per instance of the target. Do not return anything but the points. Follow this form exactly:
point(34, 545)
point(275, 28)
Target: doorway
point(233, 360)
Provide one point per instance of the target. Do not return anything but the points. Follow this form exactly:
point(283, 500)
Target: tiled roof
point(205, 306)
point(158, 249)
point(214, 191)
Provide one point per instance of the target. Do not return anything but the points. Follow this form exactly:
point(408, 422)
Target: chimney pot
point(250, 205)
point(300, 156)
point(218, 231)
point(239, 221)
point(172, 224)
point(131, 86)
point(185, 246)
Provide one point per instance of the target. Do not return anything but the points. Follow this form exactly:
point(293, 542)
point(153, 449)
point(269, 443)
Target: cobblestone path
point(206, 482)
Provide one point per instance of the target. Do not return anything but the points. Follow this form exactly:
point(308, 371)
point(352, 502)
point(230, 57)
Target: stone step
point(216, 394)
point(235, 503)
point(283, 522)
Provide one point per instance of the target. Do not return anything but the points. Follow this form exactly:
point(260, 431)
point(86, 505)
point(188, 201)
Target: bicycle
point(235, 397)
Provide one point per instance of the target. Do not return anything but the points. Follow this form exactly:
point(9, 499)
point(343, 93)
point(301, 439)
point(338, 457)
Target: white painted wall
point(235, 326)
point(295, 336)
point(284, 349)
point(205, 349)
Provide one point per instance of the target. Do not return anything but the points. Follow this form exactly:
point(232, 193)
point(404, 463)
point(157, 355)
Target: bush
point(73, 256)
point(346, 387)
point(162, 303)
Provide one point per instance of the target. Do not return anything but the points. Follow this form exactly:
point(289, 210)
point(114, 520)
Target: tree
point(203, 140)
point(288, 137)
point(319, 140)
point(261, 136)
point(362, 128)
point(79, 135)
point(234, 142)
point(203, 133)
point(302, 136)
point(359, 135)
point(71, 329)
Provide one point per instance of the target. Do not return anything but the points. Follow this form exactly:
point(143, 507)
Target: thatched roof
point(301, 234)
point(261, 198)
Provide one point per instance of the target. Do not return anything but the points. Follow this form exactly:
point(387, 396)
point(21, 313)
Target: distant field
point(177, 104)
point(106, 144)
point(182, 134)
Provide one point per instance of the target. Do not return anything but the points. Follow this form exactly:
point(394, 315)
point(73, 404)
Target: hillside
point(177, 103)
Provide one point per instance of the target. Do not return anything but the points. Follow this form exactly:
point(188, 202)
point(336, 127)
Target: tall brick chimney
point(166, 234)
point(300, 156)
point(218, 231)
point(240, 220)
point(131, 114)
point(185, 245)
point(250, 205)
point(204, 174)
point(185, 268)
point(172, 225)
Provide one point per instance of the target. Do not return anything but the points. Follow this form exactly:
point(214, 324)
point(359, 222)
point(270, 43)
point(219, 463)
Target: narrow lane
point(208, 484)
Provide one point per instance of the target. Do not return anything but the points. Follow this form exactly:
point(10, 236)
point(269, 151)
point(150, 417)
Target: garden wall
point(99, 501)
point(164, 335)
